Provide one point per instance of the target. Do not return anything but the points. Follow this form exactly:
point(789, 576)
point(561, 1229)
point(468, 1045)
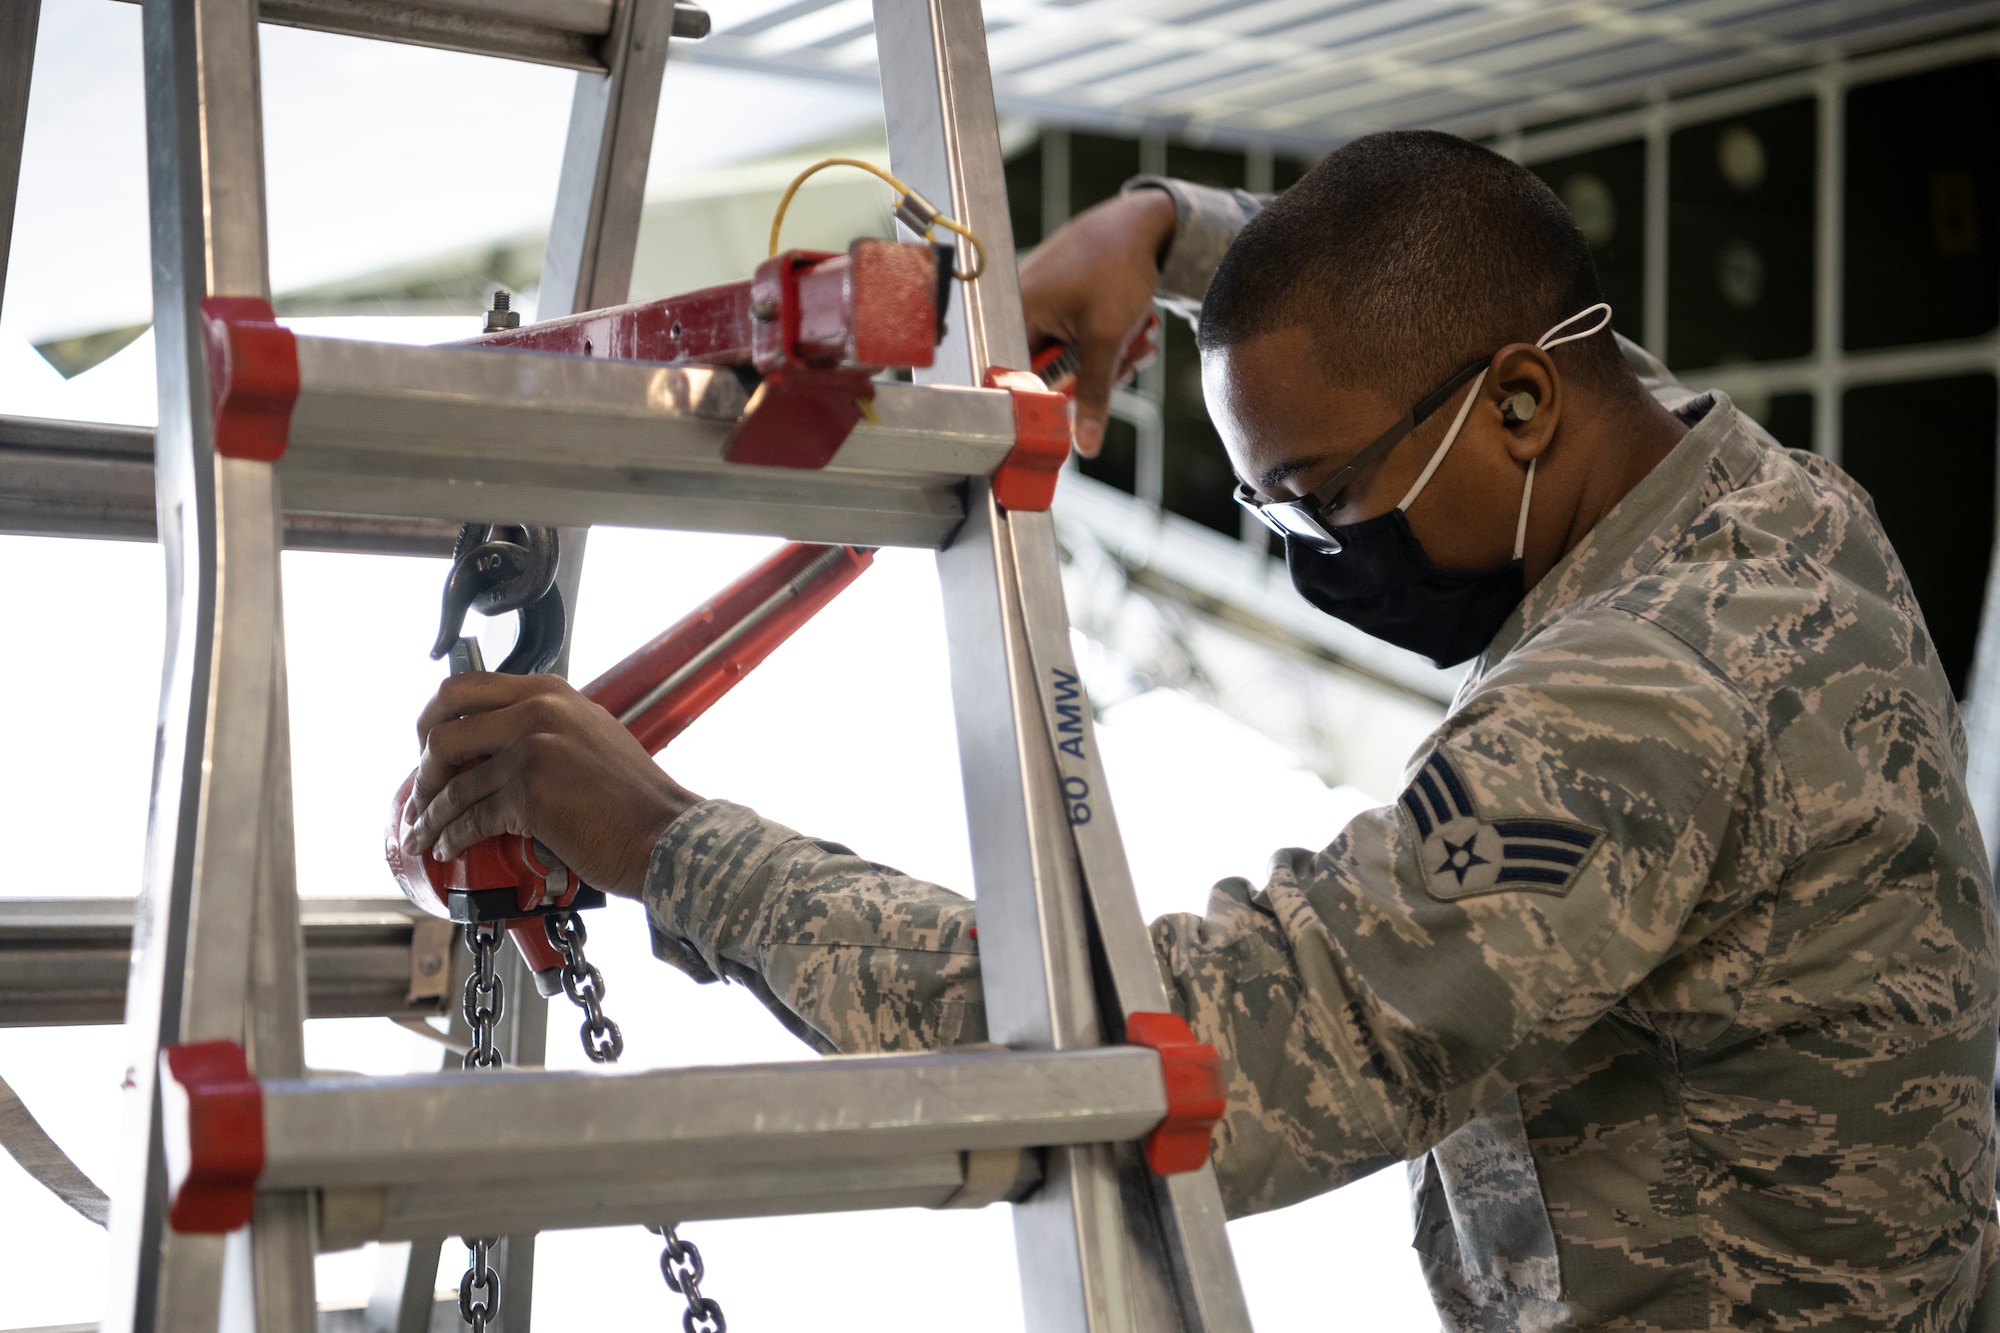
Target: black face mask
point(1376, 576)
point(1383, 584)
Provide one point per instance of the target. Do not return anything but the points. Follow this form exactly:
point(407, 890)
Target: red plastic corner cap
point(1195, 1098)
point(1026, 479)
point(212, 1117)
point(253, 376)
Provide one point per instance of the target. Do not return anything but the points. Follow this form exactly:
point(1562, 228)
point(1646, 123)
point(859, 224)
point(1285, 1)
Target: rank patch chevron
point(1464, 854)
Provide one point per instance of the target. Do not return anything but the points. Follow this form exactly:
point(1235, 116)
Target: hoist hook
point(497, 568)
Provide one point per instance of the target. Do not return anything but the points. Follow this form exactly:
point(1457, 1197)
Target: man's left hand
point(546, 763)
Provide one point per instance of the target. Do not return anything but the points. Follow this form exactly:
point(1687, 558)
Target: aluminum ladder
point(1104, 1245)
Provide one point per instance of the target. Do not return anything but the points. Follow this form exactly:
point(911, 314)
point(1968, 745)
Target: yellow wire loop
point(902, 192)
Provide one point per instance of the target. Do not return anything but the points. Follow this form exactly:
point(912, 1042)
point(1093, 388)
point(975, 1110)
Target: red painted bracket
point(213, 1124)
point(816, 326)
point(253, 376)
point(1026, 479)
point(1195, 1096)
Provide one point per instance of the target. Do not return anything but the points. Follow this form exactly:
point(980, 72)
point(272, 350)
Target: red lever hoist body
point(656, 692)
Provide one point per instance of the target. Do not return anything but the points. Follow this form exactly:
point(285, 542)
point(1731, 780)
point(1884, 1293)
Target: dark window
point(1024, 195)
point(1199, 483)
point(1205, 166)
point(1923, 200)
point(1117, 463)
point(1925, 452)
point(1788, 416)
point(1286, 170)
point(1098, 166)
point(1740, 238)
point(1605, 192)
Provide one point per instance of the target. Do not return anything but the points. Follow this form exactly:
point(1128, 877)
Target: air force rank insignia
point(1463, 855)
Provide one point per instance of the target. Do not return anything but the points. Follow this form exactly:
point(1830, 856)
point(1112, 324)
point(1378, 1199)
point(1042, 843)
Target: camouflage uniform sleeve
point(1207, 221)
point(849, 955)
point(1371, 997)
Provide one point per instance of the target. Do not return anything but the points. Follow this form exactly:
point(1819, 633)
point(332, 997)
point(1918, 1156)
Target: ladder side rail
point(601, 192)
point(212, 916)
point(1188, 1209)
point(1034, 954)
point(20, 21)
point(282, 1238)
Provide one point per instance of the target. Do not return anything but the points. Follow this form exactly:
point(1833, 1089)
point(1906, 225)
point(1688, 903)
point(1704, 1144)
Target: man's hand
point(547, 763)
point(1090, 286)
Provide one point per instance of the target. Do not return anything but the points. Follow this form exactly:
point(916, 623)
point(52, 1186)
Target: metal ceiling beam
point(1304, 74)
point(86, 479)
point(64, 961)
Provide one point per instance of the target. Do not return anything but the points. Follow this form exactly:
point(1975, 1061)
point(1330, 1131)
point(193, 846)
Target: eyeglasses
point(1304, 517)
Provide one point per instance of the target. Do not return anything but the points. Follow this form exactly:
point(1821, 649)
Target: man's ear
point(1527, 394)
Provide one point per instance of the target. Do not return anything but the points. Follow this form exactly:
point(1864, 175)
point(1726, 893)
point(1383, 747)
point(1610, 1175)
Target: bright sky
point(845, 733)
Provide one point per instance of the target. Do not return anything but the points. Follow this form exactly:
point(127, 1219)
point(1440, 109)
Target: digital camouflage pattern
point(1725, 1060)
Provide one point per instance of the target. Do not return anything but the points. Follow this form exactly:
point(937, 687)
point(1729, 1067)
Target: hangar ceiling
point(1308, 73)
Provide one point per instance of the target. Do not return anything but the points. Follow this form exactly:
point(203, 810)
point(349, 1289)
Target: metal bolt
point(502, 316)
point(430, 964)
point(764, 311)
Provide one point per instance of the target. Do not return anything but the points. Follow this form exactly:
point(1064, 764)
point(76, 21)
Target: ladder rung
point(526, 437)
point(566, 33)
point(434, 1154)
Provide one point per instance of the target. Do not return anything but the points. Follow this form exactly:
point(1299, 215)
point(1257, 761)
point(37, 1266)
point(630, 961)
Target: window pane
point(1206, 166)
point(1117, 463)
point(1923, 197)
point(1788, 416)
point(1286, 170)
point(1199, 483)
point(1024, 194)
point(1097, 167)
point(1605, 192)
point(1740, 238)
point(1925, 452)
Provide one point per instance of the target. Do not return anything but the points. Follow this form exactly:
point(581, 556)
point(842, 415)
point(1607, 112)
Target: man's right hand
point(1090, 286)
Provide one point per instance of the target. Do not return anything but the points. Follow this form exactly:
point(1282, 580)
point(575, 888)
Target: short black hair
point(1408, 254)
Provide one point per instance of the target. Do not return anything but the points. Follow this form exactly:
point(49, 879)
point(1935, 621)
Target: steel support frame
point(66, 961)
point(1090, 1240)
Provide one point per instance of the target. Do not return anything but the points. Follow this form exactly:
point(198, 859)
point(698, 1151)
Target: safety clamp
point(253, 376)
point(1195, 1096)
point(212, 1117)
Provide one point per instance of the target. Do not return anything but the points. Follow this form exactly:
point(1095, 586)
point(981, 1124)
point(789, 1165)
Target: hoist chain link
point(485, 997)
point(479, 1312)
point(485, 1000)
point(681, 1266)
point(584, 984)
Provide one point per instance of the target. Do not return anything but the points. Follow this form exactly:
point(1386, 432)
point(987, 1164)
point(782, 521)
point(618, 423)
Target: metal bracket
point(1027, 478)
point(212, 1124)
point(253, 374)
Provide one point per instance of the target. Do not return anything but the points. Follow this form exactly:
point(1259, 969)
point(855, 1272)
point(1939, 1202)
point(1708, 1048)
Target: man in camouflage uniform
point(1672, 972)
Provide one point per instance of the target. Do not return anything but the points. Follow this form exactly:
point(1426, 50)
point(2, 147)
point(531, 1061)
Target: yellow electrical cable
point(902, 191)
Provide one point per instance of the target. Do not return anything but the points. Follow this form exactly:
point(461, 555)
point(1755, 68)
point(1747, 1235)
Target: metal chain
point(584, 984)
point(479, 1276)
point(680, 1262)
point(681, 1266)
point(485, 996)
point(484, 1001)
